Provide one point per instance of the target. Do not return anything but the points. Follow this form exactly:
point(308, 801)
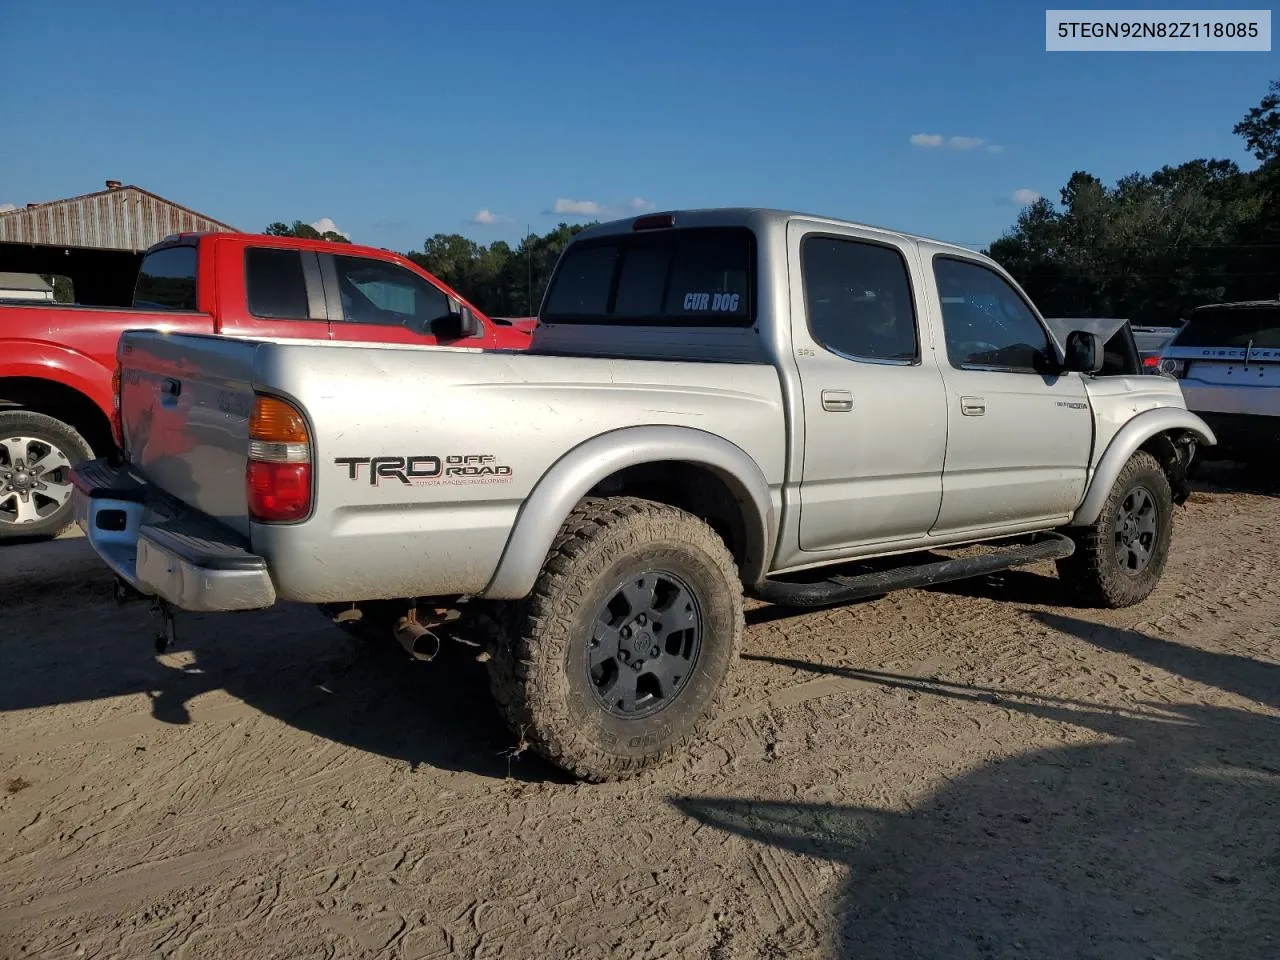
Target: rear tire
point(617, 659)
point(1120, 558)
point(37, 454)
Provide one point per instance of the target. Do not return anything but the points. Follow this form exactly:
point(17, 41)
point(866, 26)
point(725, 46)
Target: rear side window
point(275, 285)
point(696, 276)
point(167, 280)
point(1233, 328)
point(858, 297)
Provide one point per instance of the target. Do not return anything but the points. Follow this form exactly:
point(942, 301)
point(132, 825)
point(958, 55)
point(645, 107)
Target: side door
point(1019, 430)
point(268, 291)
point(875, 421)
point(377, 301)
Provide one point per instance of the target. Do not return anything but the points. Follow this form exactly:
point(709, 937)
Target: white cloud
point(640, 204)
point(1024, 197)
point(927, 139)
point(485, 217)
point(6, 207)
point(326, 225)
point(585, 208)
point(932, 141)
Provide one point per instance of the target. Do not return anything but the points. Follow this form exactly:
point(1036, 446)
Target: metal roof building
point(117, 218)
point(95, 239)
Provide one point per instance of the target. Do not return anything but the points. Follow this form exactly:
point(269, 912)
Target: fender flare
point(35, 360)
point(569, 479)
point(1125, 443)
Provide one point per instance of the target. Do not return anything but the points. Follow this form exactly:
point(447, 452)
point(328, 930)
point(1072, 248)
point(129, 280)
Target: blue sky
point(398, 119)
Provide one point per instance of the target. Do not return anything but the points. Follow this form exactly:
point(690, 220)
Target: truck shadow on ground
point(73, 644)
point(1162, 840)
point(1016, 586)
point(1225, 476)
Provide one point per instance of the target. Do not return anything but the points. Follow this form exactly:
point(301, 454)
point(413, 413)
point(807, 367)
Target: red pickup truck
point(57, 361)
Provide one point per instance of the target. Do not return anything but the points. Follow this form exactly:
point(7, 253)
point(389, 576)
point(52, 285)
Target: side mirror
point(458, 324)
point(470, 323)
point(1083, 353)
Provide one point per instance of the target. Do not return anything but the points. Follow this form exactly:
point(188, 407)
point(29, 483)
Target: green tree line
point(1155, 245)
point(502, 280)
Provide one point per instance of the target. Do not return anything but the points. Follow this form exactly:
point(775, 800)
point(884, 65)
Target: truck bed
point(492, 423)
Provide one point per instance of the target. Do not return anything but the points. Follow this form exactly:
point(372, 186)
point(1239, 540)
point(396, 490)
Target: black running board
point(837, 590)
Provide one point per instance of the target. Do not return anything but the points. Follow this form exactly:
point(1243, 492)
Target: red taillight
point(278, 473)
point(1151, 363)
point(278, 492)
point(654, 221)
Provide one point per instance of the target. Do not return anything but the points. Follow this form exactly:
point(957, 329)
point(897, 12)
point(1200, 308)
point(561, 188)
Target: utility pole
point(528, 258)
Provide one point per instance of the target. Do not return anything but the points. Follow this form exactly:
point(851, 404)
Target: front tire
point(1121, 557)
point(37, 454)
point(617, 659)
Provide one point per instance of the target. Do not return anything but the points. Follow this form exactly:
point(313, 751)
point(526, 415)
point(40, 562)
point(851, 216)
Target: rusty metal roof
point(118, 218)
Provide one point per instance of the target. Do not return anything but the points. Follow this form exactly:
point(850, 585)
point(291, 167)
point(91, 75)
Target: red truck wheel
point(36, 456)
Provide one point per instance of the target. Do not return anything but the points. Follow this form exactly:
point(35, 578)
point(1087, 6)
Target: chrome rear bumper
point(186, 559)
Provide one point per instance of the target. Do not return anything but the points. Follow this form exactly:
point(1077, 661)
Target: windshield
point(1229, 326)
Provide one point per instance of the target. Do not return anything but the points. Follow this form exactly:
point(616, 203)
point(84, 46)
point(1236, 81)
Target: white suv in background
point(1227, 359)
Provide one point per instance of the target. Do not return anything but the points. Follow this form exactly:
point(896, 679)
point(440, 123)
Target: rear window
point(274, 284)
point(1233, 327)
point(695, 276)
point(167, 280)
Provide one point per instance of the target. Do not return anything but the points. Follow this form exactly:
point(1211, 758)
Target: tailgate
point(185, 403)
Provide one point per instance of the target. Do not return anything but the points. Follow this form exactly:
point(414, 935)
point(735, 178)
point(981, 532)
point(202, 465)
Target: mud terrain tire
point(1120, 558)
point(585, 669)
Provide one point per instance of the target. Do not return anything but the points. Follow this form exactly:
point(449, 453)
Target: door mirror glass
point(457, 324)
point(1083, 353)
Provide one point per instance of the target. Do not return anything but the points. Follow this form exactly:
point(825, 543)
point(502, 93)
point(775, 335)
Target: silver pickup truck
point(716, 403)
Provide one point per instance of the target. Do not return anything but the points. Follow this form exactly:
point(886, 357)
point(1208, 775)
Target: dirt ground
point(975, 772)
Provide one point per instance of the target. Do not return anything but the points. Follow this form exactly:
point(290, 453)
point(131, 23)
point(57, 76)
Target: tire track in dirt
point(359, 853)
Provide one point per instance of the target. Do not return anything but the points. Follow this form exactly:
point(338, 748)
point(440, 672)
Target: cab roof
point(757, 218)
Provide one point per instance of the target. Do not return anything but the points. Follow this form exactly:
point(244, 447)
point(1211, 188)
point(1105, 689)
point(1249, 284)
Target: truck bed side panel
point(424, 457)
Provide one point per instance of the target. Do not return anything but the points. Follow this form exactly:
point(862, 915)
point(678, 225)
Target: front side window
point(373, 291)
point(694, 276)
point(987, 324)
point(275, 285)
point(167, 280)
point(858, 299)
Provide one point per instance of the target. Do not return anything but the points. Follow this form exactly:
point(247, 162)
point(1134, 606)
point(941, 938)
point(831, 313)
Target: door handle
point(837, 401)
point(973, 406)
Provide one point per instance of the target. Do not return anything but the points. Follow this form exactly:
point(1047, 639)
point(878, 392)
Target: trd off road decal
point(426, 469)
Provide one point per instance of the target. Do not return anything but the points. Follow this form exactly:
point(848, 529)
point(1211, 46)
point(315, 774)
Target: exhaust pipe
point(419, 642)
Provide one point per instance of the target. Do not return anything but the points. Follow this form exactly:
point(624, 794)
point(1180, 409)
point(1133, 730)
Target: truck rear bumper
point(188, 560)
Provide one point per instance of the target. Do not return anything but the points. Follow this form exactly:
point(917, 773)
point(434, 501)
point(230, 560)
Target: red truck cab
point(57, 361)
